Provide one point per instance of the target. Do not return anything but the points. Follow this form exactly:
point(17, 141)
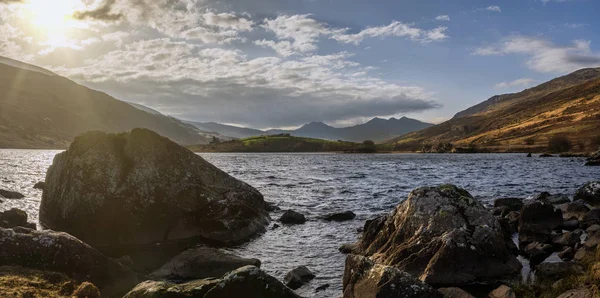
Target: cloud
point(104, 13)
point(300, 33)
point(524, 82)
point(545, 56)
point(494, 8)
point(575, 25)
point(558, 1)
point(445, 18)
point(228, 21)
point(216, 84)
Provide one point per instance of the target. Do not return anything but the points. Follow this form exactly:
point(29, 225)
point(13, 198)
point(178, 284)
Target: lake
point(317, 184)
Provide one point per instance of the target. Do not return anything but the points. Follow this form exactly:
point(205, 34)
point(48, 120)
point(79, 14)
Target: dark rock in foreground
point(537, 222)
point(557, 270)
point(292, 217)
point(342, 216)
point(455, 293)
point(199, 263)
point(442, 235)
point(15, 218)
point(593, 160)
point(548, 198)
point(139, 188)
point(247, 282)
point(589, 193)
point(298, 277)
point(7, 194)
point(513, 204)
point(365, 278)
point(60, 252)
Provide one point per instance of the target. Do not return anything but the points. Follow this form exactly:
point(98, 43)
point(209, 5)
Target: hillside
point(567, 107)
point(376, 129)
point(41, 110)
point(287, 143)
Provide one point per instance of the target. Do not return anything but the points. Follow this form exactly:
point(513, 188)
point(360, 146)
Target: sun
point(53, 18)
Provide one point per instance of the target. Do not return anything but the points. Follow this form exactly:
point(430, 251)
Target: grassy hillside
point(287, 143)
point(38, 110)
point(525, 121)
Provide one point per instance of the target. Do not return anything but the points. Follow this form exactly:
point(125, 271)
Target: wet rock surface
point(292, 217)
point(298, 277)
point(13, 195)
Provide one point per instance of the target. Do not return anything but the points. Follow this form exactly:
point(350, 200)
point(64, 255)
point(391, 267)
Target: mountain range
point(568, 107)
point(376, 129)
point(39, 109)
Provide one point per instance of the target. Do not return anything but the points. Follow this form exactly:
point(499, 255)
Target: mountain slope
point(376, 129)
point(41, 110)
point(568, 106)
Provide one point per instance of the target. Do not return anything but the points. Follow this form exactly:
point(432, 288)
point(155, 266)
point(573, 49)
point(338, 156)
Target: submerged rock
point(341, 216)
point(61, 252)
point(292, 217)
point(589, 193)
point(15, 218)
point(139, 188)
point(40, 185)
point(298, 277)
point(247, 282)
point(365, 278)
point(7, 194)
point(443, 236)
point(202, 262)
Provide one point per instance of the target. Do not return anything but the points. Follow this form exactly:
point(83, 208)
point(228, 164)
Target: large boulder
point(537, 222)
point(138, 188)
point(365, 278)
point(443, 236)
point(248, 282)
point(589, 193)
point(63, 253)
point(202, 262)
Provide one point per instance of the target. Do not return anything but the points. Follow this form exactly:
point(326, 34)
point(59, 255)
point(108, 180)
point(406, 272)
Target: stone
point(537, 222)
point(589, 193)
point(503, 292)
point(13, 195)
point(571, 224)
point(592, 230)
point(39, 185)
point(513, 204)
point(513, 220)
point(15, 218)
point(566, 239)
point(200, 263)
point(271, 207)
point(455, 293)
point(576, 209)
point(341, 216)
point(138, 188)
point(537, 252)
point(322, 288)
point(247, 282)
point(577, 293)
point(442, 235)
point(86, 290)
point(591, 218)
point(594, 159)
point(292, 217)
point(63, 253)
point(529, 155)
point(298, 277)
point(348, 248)
point(557, 270)
point(365, 278)
point(567, 254)
point(547, 198)
point(546, 155)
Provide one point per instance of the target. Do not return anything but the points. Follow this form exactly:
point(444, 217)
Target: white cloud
point(558, 1)
point(494, 8)
point(545, 56)
point(445, 18)
point(228, 21)
point(524, 82)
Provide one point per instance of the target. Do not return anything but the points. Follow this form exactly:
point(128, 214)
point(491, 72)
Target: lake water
point(317, 184)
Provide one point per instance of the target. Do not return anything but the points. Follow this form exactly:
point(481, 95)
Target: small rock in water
point(7, 194)
point(15, 218)
point(275, 226)
point(546, 155)
point(341, 216)
point(40, 185)
point(529, 155)
point(298, 277)
point(292, 217)
point(270, 207)
point(513, 204)
point(322, 288)
point(503, 292)
point(348, 248)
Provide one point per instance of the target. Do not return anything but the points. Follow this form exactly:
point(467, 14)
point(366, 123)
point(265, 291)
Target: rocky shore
point(135, 215)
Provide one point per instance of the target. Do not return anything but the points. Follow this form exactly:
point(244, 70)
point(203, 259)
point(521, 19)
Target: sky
point(283, 63)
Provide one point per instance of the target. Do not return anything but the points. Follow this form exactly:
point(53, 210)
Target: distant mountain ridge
point(39, 109)
point(376, 129)
point(568, 107)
